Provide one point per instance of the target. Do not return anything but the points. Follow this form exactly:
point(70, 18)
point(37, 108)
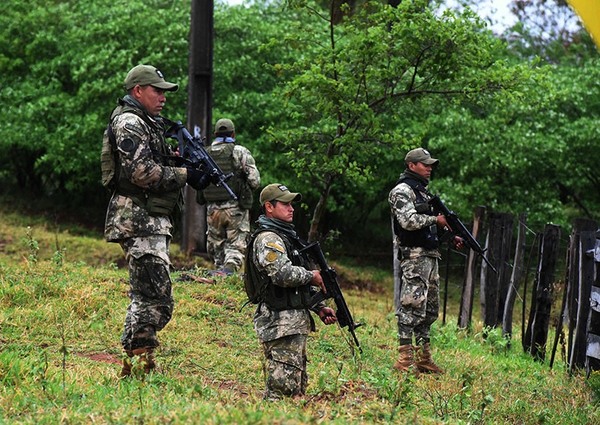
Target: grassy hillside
point(63, 299)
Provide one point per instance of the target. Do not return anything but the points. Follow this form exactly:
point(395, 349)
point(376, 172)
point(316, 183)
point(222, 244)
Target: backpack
point(107, 158)
point(255, 283)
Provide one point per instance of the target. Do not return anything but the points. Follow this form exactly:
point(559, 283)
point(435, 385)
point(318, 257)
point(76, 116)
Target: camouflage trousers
point(419, 302)
point(151, 300)
point(227, 236)
point(285, 367)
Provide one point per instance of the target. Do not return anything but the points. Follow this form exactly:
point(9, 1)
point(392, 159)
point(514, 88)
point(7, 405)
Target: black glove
point(197, 179)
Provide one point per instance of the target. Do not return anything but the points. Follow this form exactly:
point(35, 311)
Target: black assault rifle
point(459, 229)
point(193, 154)
point(329, 276)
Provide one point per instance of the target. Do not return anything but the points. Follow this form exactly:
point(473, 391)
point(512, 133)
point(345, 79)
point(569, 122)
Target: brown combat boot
point(406, 360)
point(424, 362)
point(145, 356)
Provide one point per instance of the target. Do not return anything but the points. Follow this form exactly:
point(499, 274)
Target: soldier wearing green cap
point(228, 220)
point(286, 280)
point(140, 169)
point(416, 233)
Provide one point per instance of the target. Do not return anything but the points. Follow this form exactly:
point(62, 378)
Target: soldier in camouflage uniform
point(228, 220)
point(138, 165)
point(416, 234)
point(282, 319)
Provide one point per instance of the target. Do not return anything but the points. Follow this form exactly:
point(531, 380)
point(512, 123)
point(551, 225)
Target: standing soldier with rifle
point(281, 281)
point(141, 170)
point(227, 219)
point(417, 230)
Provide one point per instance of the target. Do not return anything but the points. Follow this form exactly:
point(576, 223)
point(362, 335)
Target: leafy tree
point(329, 109)
point(62, 68)
point(352, 79)
point(549, 29)
point(536, 152)
point(247, 71)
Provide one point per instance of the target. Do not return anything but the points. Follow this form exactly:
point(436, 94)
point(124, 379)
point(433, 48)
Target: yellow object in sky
point(589, 12)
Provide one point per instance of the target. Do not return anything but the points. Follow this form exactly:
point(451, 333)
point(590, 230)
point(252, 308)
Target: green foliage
point(328, 109)
point(538, 147)
point(62, 69)
point(549, 29)
point(348, 91)
point(594, 383)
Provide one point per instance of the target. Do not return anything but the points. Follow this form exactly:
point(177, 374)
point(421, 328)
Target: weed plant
point(61, 315)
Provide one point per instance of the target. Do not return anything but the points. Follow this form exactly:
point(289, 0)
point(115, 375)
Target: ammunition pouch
point(165, 203)
point(245, 196)
point(155, 204)
point(280, 298)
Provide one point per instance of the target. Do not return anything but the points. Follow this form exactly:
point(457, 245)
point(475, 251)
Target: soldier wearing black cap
point(284, 277)
point(138, 166)
point(416, 230)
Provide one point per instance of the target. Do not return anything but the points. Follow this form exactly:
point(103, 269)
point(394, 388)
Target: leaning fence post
point(515, 278)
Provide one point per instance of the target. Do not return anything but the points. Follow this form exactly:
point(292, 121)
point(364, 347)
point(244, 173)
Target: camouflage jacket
point(139, 142)
point(270, 256)
point(402, 200)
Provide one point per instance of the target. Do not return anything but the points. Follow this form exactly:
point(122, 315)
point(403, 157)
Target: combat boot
point(406, 360)
point(424, 362)
point(145, 358)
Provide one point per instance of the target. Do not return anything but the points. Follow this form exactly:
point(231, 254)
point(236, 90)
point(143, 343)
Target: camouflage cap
point(420, 155)
point(278, 192)
point(224, 125)
point(147, 75)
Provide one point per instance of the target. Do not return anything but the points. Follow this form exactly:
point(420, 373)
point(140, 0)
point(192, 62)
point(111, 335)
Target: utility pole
point(199, 114)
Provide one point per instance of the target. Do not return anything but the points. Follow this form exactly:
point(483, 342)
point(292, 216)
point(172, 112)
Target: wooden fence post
point(516, 276)
point(536, 335)
point(494, 286)
point(466, 299)
point(576, 332)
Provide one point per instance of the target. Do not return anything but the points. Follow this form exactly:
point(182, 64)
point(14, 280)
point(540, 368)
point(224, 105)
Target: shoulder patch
point(276, 247)
point(128, 145)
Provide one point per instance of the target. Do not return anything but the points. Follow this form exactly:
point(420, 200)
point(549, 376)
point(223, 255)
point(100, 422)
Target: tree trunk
point(313, 233)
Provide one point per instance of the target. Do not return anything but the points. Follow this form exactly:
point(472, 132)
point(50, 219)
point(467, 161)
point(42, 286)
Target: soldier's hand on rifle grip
point(442, 223)
point(197, 179)
point(458, 242)
point(327, 315)
point(317, 280)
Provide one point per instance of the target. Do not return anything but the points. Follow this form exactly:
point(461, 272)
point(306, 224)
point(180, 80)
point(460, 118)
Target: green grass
point(63, 299)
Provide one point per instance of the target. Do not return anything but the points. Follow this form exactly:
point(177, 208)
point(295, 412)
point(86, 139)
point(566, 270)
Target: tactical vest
point(260, 288)
point(223, 156)
point(165, 203)
point(426, 237)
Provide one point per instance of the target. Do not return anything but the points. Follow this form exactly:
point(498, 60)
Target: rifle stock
point(333, 291)
point(459, 229)
point(193, 153)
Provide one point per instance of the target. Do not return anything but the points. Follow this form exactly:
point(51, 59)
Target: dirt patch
point(350, 390)
point(207, 298)
point(360, 285)
point(101, 357)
